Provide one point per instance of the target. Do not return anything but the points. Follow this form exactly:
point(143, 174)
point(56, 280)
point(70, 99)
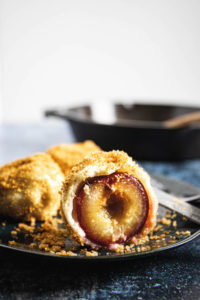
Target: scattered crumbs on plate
point(165, 221)
point(12, 243)
point(13, 232)
point(158, 227)
point(51, 236)
point(91, 253)
point(185, 233)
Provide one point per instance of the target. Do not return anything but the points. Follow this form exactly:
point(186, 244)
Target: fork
point(160, 186)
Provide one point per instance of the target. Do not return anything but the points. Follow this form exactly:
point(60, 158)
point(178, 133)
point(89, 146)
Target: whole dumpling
point(30, 188)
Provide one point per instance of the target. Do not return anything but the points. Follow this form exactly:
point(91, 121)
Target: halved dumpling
point(107, 201)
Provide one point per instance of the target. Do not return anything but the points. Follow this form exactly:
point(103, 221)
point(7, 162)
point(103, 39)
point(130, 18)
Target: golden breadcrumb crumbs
point(173, 216)
point(32, 245)
point(138, 249)
point(165, 221)
point(91, 253)
point(154, 237)
point(44, 247)
point(127, 249)
point(143, 240)
point(14, 232)
point(178, 232)
point(145, 248)
point(50, 237)
point(70, 253)
point(170, 241)
point(168, 215)
point(12, 243)
point(33, 222)
point(158, 227)
point(26, 227)
point(185, 233)
point(119, 249)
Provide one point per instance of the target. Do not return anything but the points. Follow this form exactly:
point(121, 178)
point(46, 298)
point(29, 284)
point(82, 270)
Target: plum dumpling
point(107, 201)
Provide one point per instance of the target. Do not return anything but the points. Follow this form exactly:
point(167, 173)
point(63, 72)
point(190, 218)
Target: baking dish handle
point(62, 114)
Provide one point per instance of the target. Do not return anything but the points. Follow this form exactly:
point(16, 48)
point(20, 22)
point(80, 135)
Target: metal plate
point(173, 239)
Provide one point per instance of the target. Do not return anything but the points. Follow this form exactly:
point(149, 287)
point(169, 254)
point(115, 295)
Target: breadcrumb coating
point(67, 155)
point(29, 187)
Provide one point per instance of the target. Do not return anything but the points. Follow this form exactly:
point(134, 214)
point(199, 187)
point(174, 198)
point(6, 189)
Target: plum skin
point(108, 181)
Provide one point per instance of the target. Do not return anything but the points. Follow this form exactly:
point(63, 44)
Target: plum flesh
point(111, 209)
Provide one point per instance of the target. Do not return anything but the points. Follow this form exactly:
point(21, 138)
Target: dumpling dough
point(29, 187)
point(67, 155)
point(107, 200)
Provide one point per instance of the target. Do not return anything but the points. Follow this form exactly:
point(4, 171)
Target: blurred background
point(66, 53)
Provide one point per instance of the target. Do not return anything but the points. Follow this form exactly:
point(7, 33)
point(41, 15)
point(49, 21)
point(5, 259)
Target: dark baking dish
point(137, 129)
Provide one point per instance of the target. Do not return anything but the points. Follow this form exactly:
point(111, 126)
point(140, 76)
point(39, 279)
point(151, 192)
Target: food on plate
point(29, 188)
point(107, 201)
point(67, 155)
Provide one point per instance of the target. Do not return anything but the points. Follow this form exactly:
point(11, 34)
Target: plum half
point(111, 209)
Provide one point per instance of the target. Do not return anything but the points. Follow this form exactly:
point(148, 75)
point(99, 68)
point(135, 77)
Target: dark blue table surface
point(174, 274)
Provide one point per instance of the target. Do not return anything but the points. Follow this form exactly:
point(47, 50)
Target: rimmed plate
point(169, 236)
